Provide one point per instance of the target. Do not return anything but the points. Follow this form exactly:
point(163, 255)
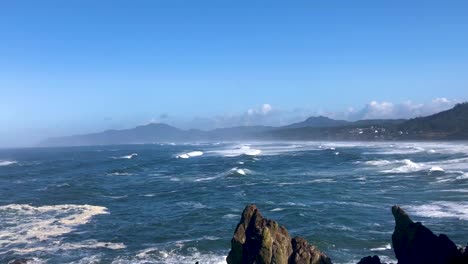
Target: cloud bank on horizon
point(269, 115)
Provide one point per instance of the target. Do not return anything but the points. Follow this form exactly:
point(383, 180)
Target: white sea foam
point(463, 176)
point(382, 248)
point(26, 224)
point(240, 171)
point(379, 162)
point(190, 154)
point(408, 166)
point(230, 216)
point(234, 151)
point(451, 164)
point(120, 174)
point(253, 152)
point(130, 156)
point(441, 209)
point(57, 245)
point(232, 172)
point(7, 162)
point(277, 209)
point(321, 181)
point(435, 169)
point(159, 256)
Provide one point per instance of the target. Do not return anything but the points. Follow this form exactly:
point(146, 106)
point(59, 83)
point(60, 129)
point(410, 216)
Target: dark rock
point(260, 240)
point(370, 260)
point(414, 243)
point(303, 252)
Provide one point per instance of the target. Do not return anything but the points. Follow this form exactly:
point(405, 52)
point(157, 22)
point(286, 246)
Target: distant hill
point(141, 134)
point(318, 121)
point(447, 125)
point(450, 124)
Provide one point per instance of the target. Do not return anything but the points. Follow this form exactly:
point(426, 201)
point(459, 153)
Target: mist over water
point(180, 203)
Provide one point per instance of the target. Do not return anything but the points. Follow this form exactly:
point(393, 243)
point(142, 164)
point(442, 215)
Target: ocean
point(180, 203)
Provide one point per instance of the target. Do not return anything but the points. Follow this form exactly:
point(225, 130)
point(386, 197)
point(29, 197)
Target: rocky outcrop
point(414, 243)
point(260, 240)
point(370, 260)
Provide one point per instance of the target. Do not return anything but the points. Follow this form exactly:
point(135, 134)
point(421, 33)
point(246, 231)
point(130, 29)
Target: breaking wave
point(24, 224)
point(190, 154)
point(130, 156)
point(7, 162)
point(441, 209)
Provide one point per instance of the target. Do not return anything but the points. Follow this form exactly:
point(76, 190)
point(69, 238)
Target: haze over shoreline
point(446, 125)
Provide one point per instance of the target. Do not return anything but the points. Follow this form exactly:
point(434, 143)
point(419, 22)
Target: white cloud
point(268, 115)
point(407, 109)
point(266, 108)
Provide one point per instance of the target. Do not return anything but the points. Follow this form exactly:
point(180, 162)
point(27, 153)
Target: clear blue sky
point(71, 67)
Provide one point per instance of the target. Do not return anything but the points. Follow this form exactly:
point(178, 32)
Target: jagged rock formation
point(414, 243)
point(261, 240)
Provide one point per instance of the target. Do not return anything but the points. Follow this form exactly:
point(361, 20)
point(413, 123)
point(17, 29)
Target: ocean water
point(180, 203)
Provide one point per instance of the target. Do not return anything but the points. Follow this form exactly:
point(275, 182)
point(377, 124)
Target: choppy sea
point(180, 203)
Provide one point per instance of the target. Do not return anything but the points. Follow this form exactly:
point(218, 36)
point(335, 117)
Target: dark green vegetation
point(447, 125)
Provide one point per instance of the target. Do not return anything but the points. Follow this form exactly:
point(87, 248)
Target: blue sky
point(70, 67)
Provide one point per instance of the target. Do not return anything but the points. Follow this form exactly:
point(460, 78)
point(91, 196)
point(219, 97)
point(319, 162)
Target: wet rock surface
point(415, 243)
point(261, 240)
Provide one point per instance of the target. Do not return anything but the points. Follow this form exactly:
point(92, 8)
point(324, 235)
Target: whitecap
point(379, 162)
point(435, 169)
point(321, 181)
point(155, 255)
point(386, 247)
point(253, 152)
point(409, 166)
point(463, 176)
point(235, 151)
point(277, 209)
point(7, 162)
point(230, 216)
point(441, 209)
point(127, 156)
point(241, 171)
point(190, 154)
point(120, 174)
point(195, 153)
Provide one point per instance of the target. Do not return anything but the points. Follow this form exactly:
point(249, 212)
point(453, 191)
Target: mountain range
point(447, 125)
